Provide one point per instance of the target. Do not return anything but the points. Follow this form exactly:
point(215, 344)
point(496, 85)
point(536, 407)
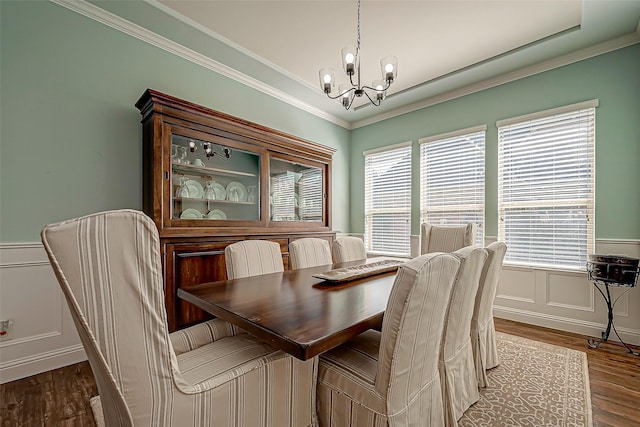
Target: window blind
point(388, 200)
point(452, 180)
point(546, 182)
point(311, 198)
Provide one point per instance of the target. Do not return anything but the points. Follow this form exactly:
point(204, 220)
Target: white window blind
point(452, 179)
point(546, 181)
point(388, 200)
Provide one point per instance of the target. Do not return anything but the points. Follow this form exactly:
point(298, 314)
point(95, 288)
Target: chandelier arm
point(377, 104)
point(351, 78)
point(341, 94)
point(383, 89)
point(353, 97)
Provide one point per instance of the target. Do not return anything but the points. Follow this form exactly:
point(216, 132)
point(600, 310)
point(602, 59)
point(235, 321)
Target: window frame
point(454, 138)
point(402, 148)
point(583, 129)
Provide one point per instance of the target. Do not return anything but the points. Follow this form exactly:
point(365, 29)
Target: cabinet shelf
point(191, 169)
point(199, 199)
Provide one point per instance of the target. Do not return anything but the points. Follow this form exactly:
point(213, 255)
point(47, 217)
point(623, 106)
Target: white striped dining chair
point(252, 258)
point(391, 377)
point(457, 368)
point(434, 238)
point(309, 252)
point(348, 248)
point(108, 266)
point(483, 333)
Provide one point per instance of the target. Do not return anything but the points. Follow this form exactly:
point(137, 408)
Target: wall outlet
point(6, 328)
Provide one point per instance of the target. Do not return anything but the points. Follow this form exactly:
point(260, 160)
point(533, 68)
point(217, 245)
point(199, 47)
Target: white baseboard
point(43, 362)
point(583, 327)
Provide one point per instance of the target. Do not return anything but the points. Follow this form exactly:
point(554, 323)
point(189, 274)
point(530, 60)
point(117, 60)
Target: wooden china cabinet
point(210, 179)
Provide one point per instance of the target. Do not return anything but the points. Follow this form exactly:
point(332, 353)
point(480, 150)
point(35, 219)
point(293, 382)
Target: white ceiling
point(441, 46)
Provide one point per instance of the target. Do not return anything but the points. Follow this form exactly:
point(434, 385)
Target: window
point(387, 200)
point(452, 179)
point(546, 179)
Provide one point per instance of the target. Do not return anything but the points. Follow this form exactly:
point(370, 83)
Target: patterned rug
point(536, 384)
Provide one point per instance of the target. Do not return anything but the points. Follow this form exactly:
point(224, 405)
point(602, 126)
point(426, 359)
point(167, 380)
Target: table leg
point(593, 343)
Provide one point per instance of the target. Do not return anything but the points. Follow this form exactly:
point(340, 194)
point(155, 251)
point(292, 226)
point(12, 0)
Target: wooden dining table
point(295, 311)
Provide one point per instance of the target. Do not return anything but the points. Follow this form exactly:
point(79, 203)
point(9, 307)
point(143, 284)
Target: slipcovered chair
point(483, 333)
point(434, 238)
point(390, 378)
point(348, 248)
point(252, 258)
point(108, 266)
point(457, 368)
point(309, 252)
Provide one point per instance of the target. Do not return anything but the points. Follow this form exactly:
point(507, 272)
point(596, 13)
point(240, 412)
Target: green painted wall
point(70, 136)
point(613, 78)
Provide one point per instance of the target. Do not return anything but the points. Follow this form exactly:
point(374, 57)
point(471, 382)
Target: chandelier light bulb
point(349, 58)
point(379, 86)
point(327, 80)
point(389, 67)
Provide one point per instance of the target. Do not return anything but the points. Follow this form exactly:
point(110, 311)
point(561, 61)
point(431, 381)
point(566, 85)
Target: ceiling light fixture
point(351, 65)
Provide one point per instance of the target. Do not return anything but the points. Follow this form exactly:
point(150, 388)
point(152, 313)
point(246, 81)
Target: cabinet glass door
point(296, 192)
point(211, 182)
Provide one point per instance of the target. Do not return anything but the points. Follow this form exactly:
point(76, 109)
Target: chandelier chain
point(358, 39)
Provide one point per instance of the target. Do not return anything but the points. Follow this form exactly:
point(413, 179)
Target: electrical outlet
point(6, 329)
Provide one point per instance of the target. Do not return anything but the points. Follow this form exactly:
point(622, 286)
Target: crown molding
point(127, 27)
point(107, 18)
point(560, 61)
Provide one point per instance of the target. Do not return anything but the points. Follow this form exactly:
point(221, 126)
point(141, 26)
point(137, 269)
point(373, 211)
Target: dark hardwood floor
point(54, 398)
point(61, 397)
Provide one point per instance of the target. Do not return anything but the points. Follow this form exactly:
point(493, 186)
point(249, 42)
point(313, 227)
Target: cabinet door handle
point(166, 175)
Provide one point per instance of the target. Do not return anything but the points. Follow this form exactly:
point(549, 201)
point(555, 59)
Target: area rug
point(536, 384)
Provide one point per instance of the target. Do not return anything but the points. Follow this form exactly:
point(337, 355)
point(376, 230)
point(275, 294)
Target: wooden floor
point(61, 397)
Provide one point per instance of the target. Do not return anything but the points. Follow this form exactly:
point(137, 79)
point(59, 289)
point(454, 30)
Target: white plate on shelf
point(216, 214)
point(220, 191)
point(195, 189)
point(191, 214)
point(239, 188)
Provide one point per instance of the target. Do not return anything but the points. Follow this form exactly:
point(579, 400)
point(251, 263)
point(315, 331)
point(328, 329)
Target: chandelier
point(351, 64)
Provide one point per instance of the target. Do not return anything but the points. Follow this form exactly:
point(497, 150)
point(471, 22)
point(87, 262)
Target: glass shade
point(379, 86)
point(344, 91)
point(327, 79)
point(389, 67)
point(349, 59)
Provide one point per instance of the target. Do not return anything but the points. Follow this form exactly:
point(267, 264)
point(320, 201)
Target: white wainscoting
point(566, 300)
point(43, 334)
